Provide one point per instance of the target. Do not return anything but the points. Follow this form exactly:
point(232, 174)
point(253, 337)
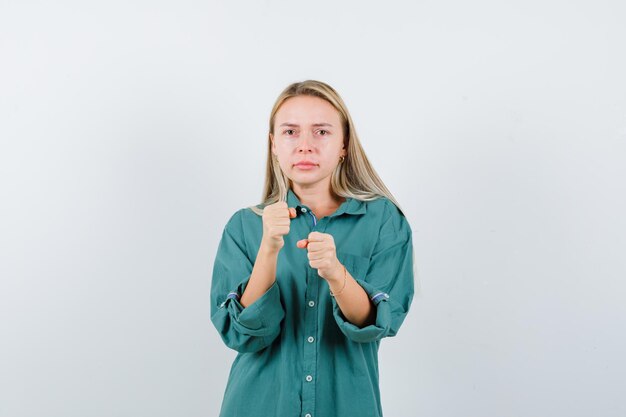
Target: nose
point(305, 144)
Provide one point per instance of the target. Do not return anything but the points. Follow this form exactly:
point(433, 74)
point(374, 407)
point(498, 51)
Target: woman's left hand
point(322, 255)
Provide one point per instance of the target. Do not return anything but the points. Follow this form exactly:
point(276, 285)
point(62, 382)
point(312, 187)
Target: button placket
point(310, 328)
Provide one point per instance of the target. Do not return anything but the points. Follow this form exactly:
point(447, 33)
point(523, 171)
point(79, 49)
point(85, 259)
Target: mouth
point(305, 165)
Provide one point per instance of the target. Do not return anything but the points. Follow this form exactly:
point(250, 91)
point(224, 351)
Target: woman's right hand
point(276, 221)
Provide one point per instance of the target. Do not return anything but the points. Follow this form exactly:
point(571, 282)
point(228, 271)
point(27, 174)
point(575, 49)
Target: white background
point(132, 130)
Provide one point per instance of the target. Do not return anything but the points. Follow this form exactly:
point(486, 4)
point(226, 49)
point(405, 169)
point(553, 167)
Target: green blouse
point(298, 354)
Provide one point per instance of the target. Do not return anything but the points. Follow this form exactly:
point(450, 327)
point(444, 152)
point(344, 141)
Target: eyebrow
point(297, 125)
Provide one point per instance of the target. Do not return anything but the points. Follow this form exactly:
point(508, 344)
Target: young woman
point(306, 284)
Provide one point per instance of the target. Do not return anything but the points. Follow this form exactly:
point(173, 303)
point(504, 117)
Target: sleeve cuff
point(261, 318)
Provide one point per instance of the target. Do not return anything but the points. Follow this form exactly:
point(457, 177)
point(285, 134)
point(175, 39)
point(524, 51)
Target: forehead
point(307, 109)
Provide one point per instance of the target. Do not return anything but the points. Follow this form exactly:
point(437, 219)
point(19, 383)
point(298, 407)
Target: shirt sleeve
point(244, 329)
point(388, 281)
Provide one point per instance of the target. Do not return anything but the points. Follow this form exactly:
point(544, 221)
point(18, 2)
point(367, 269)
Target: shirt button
point(311, 303)
point(308, 415)
point(309, 378)
point(304, 209)
point(311, 339)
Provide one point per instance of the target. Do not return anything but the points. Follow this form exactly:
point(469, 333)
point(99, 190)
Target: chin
point(304, 180)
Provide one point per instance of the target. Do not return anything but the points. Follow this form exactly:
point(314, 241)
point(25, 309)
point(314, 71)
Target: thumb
point(292, 212)
point(302, 243)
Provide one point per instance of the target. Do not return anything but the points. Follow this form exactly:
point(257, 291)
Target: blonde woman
point(307, 283)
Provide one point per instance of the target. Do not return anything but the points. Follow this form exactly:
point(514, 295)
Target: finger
point(302, 243)
point(292, 212)
point(315, 246)
point(317, 237)
point(312, 256)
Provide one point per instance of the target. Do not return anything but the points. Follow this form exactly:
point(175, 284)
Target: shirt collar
point(350, 206)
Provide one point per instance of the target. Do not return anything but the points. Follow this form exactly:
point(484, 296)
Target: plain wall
point(130, 131)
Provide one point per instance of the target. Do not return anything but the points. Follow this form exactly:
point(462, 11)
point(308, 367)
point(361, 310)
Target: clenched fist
point(322, 255)
point(276, 221)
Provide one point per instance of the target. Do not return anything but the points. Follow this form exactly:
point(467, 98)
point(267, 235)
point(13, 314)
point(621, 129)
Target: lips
point(305, 164)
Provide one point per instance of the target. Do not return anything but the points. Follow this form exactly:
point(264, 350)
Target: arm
point(352, 300)
point(247, 321)
point(263, 275)
point(388, 284)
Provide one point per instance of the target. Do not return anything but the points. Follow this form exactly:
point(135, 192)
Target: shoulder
point(384, 207)
point(389, 216)
point(243, 218)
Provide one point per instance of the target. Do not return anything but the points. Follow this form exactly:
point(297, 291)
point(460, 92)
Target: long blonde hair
point(354, 177)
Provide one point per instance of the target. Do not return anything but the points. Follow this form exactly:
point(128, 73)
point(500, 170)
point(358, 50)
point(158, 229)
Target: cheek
point(286, 146)
point(328, 163)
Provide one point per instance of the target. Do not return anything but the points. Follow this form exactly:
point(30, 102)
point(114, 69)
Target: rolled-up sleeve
point(244, 329)
point(389, 281)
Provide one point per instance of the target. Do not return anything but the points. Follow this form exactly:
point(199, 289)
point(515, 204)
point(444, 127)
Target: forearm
point(353, 301)
point(262, 277)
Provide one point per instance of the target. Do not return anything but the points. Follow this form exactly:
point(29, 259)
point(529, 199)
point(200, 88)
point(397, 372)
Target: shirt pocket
point(356, 265)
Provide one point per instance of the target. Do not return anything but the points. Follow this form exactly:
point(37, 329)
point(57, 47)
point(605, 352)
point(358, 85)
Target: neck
point(319, 200)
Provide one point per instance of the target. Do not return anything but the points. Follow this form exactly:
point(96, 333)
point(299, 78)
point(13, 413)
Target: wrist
point(266, 249)
point(337, 275)
point(337, 287)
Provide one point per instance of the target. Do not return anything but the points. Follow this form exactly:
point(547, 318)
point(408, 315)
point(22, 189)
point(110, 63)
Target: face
point(307, 129)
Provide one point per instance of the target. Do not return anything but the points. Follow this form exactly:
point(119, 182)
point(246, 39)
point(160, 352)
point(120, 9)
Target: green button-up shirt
point(298, 354)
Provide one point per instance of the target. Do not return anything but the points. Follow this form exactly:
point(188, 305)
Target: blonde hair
point(354, 177)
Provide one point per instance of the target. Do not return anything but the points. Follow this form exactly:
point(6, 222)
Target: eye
point(289, 132)
point(323, 132)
